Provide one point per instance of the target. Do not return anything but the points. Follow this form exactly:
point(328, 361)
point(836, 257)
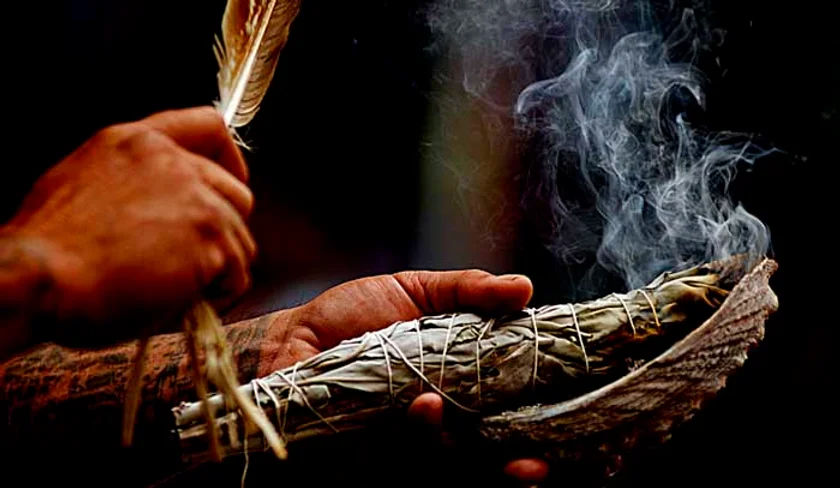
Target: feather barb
point(253, 34)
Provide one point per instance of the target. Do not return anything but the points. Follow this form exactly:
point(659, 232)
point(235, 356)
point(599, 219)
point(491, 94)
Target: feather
point(253, 34)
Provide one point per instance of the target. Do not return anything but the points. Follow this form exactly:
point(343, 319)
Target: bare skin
point(132, 228)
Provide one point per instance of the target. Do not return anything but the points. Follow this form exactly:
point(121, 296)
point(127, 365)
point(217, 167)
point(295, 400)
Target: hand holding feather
point(135, 224)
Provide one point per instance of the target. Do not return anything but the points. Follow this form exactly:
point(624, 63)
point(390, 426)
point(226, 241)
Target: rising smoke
point(604, 92)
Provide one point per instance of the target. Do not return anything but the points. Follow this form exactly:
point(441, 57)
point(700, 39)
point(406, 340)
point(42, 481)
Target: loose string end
point(134, 393)
point(580, 337)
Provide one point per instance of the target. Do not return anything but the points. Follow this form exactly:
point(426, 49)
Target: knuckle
point(209, 221)
point(408, 279)
point(204, 169)
point(476, 274)
point(214, 216)
point(180, 172)
point(140, 141)
point(113, 135)
point(419, 285)
point(176, 166)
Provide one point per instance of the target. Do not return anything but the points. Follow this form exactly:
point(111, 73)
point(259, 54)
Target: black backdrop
point(337, 166)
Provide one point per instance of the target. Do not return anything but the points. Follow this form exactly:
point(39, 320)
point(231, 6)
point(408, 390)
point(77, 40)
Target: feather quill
point(253, 34)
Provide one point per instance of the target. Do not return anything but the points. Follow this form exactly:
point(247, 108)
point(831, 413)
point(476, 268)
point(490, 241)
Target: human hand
point(369, 304)
point(138, 222)
point(428, 408)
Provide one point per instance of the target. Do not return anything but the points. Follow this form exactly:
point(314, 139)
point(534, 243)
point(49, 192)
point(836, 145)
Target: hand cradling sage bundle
point(480, 365)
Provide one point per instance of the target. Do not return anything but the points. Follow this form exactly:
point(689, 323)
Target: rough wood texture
point(645, 406)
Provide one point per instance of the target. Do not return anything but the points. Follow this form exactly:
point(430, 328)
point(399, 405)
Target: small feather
point(253, 34)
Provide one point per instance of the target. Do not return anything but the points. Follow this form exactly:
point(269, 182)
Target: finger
point(236, 224)
point(528, 471)
point(248, 243)
point(235, 244)
point(202, 131)
point(458, 291)
point(425, 428)
point(211, 264)
point(428, 409)
point(236, 192)
point(237, 275)
point(231, 280)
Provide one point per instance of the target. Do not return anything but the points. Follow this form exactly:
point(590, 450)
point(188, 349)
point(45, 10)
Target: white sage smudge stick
point(478, 365)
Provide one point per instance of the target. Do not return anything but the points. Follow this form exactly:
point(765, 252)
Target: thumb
point(469, 290)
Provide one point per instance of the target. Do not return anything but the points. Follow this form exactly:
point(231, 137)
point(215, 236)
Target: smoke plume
point(606, 93)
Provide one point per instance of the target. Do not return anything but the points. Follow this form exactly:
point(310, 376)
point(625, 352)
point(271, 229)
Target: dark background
point(337, 175)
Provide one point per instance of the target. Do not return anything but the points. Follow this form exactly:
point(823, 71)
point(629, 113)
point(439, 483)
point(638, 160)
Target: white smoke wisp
point(604, 90)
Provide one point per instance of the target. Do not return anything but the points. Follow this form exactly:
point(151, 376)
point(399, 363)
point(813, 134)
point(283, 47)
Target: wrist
point(27, 289)
point(263, 344)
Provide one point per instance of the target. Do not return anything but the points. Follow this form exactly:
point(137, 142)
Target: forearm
point(61, 394)
point(24, 287)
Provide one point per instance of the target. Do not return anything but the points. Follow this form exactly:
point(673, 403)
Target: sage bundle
point(479, 365)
